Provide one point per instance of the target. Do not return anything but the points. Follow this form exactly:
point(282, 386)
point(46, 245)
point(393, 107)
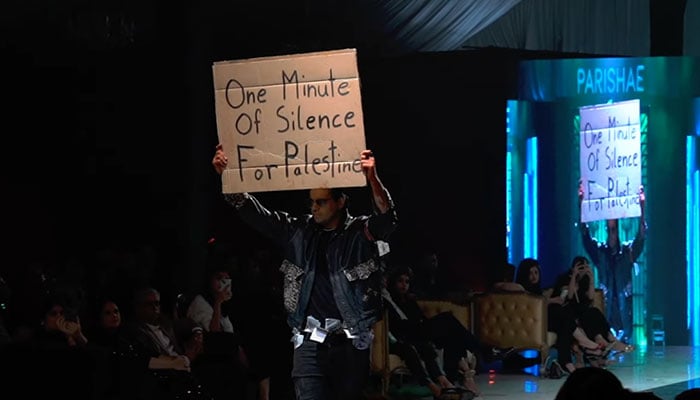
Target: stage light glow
point(532, 370)
point(509, 200)
point(530, 200)
point(692, 241)
point(509, 184)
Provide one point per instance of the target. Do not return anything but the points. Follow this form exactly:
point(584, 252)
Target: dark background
point(110, 128)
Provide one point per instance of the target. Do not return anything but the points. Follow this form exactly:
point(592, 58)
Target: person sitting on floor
point(577, 289)
point(560, 320)
point(415, 335)
point(597, 383)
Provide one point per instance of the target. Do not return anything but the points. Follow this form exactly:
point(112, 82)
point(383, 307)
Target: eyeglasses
point(318, 202)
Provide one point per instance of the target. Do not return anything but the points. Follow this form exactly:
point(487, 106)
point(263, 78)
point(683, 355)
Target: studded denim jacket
point(353, 262)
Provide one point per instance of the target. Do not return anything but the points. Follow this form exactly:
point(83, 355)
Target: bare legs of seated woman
point(611, 344)
point(599, 358)
point(583, 345)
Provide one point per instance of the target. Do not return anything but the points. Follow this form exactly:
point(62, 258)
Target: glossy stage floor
point(665, 372)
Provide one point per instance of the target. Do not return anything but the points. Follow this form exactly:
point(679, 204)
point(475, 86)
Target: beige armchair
point(517, 320)
point(497, 319)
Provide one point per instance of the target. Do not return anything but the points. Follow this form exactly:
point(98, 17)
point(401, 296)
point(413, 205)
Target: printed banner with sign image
point(611, 162)
point(290, 122)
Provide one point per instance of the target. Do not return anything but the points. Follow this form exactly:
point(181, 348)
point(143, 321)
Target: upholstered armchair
point(504, 319)
point(519, 320)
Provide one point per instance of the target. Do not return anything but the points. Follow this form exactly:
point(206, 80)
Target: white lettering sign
point(611, 161)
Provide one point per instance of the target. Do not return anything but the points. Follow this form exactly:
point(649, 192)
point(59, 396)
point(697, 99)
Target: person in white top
point(206, 309)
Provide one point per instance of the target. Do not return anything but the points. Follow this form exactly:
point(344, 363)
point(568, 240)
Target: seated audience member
point(5, 295)
point(416, 337)
point(688, 394)
point(428, 281)
point(55, 358)
point(597, 383)
point(224, 358)
point(504, 281)
point(107, 349)
point(164, 371)
point(257, 306)
point(577, 289)
point(560, 320)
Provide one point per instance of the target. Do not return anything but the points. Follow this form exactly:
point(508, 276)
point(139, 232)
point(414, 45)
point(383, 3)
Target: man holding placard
point(295, 122)
point(332, 281)
point(610, 189)
point(615, 262)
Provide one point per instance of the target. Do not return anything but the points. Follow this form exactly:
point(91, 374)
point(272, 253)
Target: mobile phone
point(70, 314)
point(224, 284)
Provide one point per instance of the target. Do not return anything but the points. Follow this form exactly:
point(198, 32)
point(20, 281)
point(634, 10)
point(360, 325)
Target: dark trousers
point(594, 322)
point(449, 334)
point(420, 358)
point(332, 370)
point(562, 321)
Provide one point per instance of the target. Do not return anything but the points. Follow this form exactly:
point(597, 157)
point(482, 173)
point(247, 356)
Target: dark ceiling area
point(109, 115)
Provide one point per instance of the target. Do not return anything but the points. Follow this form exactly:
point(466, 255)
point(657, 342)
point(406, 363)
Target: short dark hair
point(524, 267)
point(578, 259)
point(396, 272)
point(688, 394)
point(338, 193)
point(589, 383)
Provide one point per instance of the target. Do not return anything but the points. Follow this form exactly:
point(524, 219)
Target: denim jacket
point(353, 260)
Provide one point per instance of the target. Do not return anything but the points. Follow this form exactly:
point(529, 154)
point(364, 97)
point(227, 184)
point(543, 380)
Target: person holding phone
point(223, 366)
point(206, 307)
point(578, 302)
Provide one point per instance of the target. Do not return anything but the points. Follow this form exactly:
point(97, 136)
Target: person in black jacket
point(415, 339)
point(332, 279)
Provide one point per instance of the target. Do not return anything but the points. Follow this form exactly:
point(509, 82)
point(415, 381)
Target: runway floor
point(665, 372)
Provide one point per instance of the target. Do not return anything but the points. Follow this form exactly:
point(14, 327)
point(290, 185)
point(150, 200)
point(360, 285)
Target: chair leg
point(544, 353)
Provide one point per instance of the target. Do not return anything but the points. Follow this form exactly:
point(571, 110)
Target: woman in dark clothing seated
point(577, 289)
point(414, 338)
point(560, 320)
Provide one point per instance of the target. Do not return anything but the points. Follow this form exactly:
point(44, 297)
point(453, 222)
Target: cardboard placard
point(290, 122)
point(610, 160)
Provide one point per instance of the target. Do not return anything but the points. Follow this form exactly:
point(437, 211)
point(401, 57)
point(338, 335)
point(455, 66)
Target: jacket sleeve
point(278, 226)
point(382, 225)
point(637, 245)
point(589, 243)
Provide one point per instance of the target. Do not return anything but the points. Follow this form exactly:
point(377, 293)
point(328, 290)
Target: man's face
point(325, 210)
point(149, 308)
point(613, 233)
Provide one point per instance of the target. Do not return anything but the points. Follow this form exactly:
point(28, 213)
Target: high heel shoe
point(621, 347)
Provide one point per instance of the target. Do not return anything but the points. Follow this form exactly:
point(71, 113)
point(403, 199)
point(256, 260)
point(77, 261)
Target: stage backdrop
point(553, 99)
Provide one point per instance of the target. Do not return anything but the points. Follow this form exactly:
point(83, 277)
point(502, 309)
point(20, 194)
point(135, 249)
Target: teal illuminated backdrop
point(545, 116)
